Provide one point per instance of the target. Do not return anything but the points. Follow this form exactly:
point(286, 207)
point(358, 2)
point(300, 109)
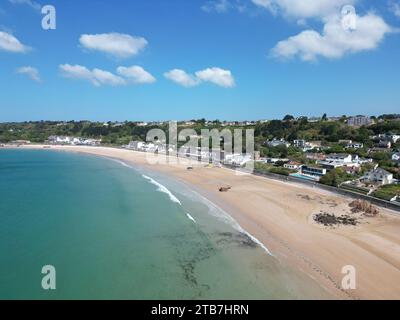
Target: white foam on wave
point(162, 188)
point(190, 217)
point(213, 209)
point(123, 163)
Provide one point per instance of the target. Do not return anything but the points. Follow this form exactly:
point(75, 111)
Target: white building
point(292, 165)
point(378, 176)
point(77, 141)
point(339, 158)
point(299, 143)
point(60, 139)
point(273, 160)
point(396, 157)
point(395, 137)
point(388, 137)
point(238, 159)
point(385, 144)
point(278, 142)
point(359, 121)
point(355, 145)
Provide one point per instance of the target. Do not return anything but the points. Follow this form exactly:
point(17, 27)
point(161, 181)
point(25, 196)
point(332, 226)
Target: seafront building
point(293, 165)
point(378, 176)
point(315, 172)
point(340, 158)
point(76, 141)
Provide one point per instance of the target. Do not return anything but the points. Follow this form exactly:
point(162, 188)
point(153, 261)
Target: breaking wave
point(163, 189)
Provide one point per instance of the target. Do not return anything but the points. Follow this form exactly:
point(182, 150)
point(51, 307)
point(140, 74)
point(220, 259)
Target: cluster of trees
point(335, 177)
point(326, 131)
point(289, 128)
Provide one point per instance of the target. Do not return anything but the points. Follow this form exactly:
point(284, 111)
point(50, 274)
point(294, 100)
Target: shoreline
point(278, 214)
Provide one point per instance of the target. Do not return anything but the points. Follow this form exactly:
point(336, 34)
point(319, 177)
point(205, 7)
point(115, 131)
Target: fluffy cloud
point(181, 77)
point(395, 8)
point(305, 8)
point(10, 43)
point(97, 77)
point(221, 6)
point(31, 72)
point(116, 44)
point(218, 76)
point(217, 6)
point(136, 74)
point(30, 3)
point(334, 41)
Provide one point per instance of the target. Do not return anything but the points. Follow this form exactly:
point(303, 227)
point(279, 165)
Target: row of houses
point(77, 141)
point(311, 145)
point(350, 163)
point(387, 137)
point(301, 144)
point(376, 176)
point(198, 154)
point(383, 145)
point(385, 141)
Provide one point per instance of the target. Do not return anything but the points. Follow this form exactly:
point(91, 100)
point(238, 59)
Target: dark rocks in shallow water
point(240, 239)
point(189, 274)
point(330, 220)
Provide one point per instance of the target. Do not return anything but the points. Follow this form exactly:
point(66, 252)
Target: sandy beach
point(280, 215)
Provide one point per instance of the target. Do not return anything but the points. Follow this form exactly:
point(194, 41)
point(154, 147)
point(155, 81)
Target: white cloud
point(395, 8)
point(218, 76)
point(221, 6)
point(96, 76)
point(334, 41)
point(10, 43)
point(116, 44)
point(31, 72)
point(136, 74)
point(30, 3)
point(181, 77)
point(217, 6)
point(305, 8)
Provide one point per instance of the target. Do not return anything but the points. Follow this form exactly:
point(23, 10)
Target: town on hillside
point(357, 153)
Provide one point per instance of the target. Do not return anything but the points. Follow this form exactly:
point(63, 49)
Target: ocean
point(113, 231)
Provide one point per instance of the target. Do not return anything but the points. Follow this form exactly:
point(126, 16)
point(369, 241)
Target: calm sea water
point(115, 232)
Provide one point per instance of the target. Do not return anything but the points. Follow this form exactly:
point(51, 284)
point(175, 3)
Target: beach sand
point(280, 215)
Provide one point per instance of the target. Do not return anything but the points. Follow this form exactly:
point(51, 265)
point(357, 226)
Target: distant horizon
point(197, 119)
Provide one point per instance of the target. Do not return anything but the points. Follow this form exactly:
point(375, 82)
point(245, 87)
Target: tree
point(288, 117)
point(335, 177)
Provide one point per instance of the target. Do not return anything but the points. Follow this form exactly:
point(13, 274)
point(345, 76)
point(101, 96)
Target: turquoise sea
point(116, 232)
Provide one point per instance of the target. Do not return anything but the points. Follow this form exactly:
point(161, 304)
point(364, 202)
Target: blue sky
point(179, 59)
